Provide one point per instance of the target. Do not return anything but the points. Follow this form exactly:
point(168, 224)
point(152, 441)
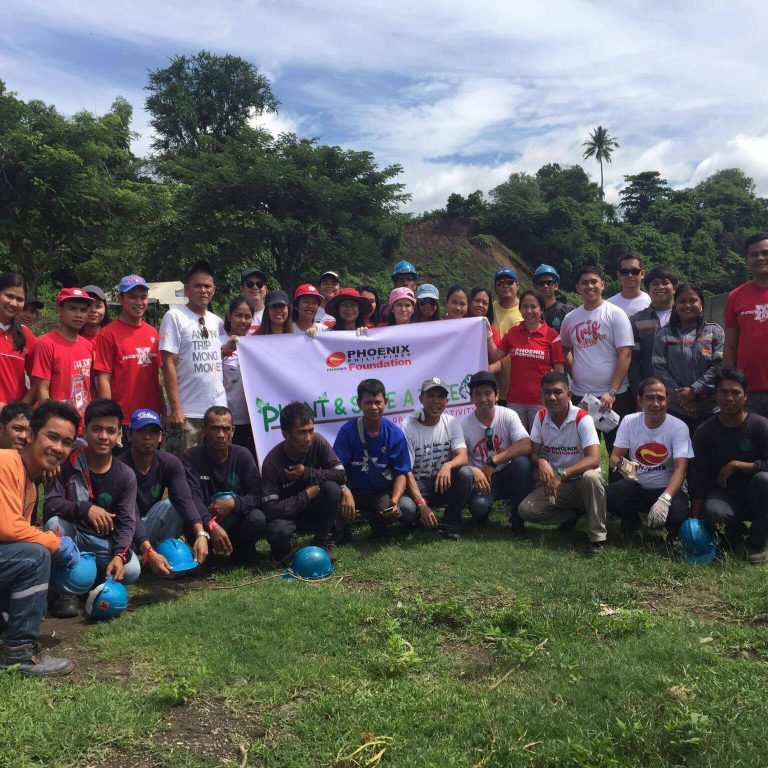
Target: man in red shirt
point(126, 359)
point(746, 325)
point(61, 360)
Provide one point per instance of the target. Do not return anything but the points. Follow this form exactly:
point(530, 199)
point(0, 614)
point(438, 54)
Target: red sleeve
point(495, 335)
point(42, 360)
point(556, 347)
point(104, 353)
point(504, 344)
point(730, 315)
point(31, 344)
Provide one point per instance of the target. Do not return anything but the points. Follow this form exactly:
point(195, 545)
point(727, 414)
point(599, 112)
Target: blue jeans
point(513, 481)
point(454, 500)
point(99, 545)
point(24, 573)
point(162, 522)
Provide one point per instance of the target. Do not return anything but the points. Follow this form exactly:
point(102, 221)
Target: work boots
point(31, 661)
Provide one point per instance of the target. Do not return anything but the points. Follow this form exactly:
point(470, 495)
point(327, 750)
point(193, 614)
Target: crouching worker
point(235, 523)
point(93, 500)
point(301, 482)
point(659, 447)
point(566, 458)
point(498, 447)
point(375, 457)
point(440, 475)
point(26, 553)
point(158, 472)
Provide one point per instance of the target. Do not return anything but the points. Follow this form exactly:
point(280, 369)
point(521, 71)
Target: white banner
point(324, 372)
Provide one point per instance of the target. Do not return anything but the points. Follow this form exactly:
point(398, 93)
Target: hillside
point(445, 251)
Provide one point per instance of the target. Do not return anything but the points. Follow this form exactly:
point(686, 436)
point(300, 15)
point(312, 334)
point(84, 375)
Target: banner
point(324, 372)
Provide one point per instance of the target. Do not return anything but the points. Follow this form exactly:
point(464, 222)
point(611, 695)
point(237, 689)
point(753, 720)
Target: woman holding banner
point(369, 292)
point(350, 310)
point(428, 304)
point(400, 308)
point(481, 305)
point(456, 303)
point(306, 302)
point(277, 315)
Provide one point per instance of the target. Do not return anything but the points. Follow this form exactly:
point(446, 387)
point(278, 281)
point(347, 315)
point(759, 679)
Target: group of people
point(692, 439)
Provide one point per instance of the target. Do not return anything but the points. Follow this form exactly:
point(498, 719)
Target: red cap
point(307, 290)
point(73, 293)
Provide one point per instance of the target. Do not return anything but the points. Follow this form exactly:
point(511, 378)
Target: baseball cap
point(483, 379)
point(334, 275)
point(273, 298)
point(307, 289)
point(545, 269)
point(201, 265)
point(246, 273)
point(72, 293)
point(32, 300)
point(95, 292)
point(129, 282)
point(432, 383)
point(505, 272)
point(427, 291)
point(143, 417)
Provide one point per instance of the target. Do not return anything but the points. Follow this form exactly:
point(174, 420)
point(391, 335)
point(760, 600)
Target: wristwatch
point(204, 534)
point(561, 474)
point(665, 496)
point(490, 462)
point(613, 392)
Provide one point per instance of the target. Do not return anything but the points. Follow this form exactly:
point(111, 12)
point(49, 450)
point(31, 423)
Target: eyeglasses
point(627, 272)
point(489, 438)
point(433, 302)
point(545, 283)
point(255, 284)
point(203, 329)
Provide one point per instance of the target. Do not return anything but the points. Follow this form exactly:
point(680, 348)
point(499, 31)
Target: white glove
point(361, 331)
point(312, 331)
point(657, 515)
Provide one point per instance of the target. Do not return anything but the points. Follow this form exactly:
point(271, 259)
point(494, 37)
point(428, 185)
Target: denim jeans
point(162, 522)
point(455, 499)
point(513, 481)
point(25, 569)
point(99, 545)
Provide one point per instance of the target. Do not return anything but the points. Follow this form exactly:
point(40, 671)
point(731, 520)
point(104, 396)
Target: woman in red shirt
point(16, 341)
point(534, 349)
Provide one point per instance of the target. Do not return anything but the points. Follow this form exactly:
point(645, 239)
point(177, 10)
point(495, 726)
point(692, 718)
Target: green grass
point(486, 652)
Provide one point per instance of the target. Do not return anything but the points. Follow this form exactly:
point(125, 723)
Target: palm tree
point(600, 146)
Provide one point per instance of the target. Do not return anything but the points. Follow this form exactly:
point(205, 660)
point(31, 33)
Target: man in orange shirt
point(26, 552)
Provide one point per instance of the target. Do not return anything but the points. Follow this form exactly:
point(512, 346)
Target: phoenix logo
point(652, 454)
point(335, 359)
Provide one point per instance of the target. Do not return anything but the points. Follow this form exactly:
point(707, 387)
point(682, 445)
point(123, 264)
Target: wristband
point(123, 555)
point(147, 553)
point(209, 525)
point(420, 502)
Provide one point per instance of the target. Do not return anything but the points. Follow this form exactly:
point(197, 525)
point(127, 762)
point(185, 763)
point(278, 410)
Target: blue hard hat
point(178, 554)
point(546, 269)
point(697, 540)
point(107, 601)
point(405, 268)
point(77, 580)
point(311, 563)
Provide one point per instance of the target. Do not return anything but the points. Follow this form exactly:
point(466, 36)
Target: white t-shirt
point(320, 328)
point(257, 316)
point(233, 385)
point(594, 336)
point(198, 365)
point(507, 429)
point(431, 447)
point(631, 306)
point(563, 446)
point(321, 316)
point(655, 450)
point(663, 316)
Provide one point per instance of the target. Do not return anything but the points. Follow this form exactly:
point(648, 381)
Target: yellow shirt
point(503, 320)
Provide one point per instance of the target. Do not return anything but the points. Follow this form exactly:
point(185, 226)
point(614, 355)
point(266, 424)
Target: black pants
point(627, 499)
point(731, 508)
point(373, 503)
point(455, 499)
point(317, 519)
point(244, 534)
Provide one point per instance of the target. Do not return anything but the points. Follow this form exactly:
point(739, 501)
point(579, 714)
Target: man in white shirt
point(498, 448)
point(439, 474)
point(630, 272)
point(191, 351)
point(565, 454)
point(597, 341)
point(329, 286)
point(255, 286)
point(660, 447)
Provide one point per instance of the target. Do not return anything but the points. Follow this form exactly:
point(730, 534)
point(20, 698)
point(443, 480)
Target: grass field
point(421, 652)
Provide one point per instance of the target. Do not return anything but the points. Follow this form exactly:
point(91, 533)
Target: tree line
point(77, 205)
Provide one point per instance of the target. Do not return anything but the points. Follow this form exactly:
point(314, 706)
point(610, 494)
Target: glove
point(67, 555)
point(657, 515)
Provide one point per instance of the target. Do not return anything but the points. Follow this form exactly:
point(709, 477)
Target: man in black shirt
point(235, 524)
point(301, 483)
point(731, 468)
point(157, 472)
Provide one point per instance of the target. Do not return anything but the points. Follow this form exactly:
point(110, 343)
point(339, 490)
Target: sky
point(459, 94)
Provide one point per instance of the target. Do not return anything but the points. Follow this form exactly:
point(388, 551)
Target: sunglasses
point(433, 302)
point(506, 282)
point(255, 284)
point(627, 272)
point(545, 283)
point(489, 438)
point(203, 329)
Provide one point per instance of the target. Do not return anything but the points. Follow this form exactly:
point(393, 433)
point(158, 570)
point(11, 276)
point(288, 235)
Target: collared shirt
point(563, 446)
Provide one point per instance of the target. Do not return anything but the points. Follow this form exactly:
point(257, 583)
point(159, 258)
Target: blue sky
point(460, 94)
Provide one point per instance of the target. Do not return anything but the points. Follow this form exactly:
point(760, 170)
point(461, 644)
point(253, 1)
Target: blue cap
point(427, 291)
point(143, 417)
point(545, 269)
point(129, 282)
point(405, 268)
point(505, 272)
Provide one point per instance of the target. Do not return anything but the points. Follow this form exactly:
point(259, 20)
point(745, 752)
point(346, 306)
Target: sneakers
point(757, 556)
point(31, 661)
point(65, 607)
point(448, 532)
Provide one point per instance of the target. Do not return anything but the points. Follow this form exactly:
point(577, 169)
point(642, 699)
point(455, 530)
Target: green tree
point(642, 191)
point(600, 146)
point(570, 181)
point(205, 96)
